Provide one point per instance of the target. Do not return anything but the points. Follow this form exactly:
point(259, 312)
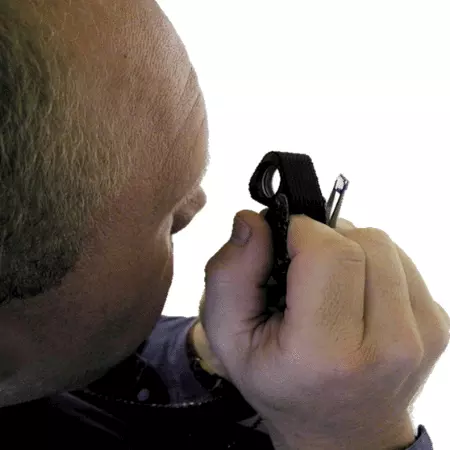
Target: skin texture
point(140, 79)
point(341, 367)
point(373, 350)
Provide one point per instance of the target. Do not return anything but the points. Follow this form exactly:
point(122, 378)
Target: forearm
point(400, 437)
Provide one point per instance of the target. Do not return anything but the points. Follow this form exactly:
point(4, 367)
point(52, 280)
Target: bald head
point(128, 62)
point(140, 107)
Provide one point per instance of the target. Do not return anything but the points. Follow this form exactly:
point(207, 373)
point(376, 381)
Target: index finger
point(325, 280)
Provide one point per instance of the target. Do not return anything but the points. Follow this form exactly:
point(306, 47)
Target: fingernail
point(241, 232)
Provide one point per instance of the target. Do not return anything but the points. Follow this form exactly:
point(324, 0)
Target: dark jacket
point(149, 401)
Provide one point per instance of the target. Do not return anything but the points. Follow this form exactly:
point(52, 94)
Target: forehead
point(139, 77)
point(188, 157)
point(137, 65)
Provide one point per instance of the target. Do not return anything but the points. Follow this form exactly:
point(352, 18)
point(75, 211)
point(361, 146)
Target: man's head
point(103, 146)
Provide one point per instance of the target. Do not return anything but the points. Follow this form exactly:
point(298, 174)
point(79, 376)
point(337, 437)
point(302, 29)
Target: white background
point(363, 87)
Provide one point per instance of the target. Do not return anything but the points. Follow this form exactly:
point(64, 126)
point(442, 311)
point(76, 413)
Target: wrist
point(199, 344)
point(400, 437)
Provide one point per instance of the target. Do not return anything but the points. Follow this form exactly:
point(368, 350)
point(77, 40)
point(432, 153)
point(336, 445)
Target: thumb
point(235, 276)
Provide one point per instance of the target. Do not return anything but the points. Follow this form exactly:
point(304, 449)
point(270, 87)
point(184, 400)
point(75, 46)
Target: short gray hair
point(55, 171)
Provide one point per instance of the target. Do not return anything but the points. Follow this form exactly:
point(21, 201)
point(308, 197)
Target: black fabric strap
point(298, 182)
point(299, 193)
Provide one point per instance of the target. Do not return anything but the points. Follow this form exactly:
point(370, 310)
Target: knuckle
point(339, 362)
point(372, 235)
point(346, 223)
point(209, 267)
point(349, 367)
point(439, 339)
point(406, 355)
point(346, 250)
point(445, 340)
point(214, 266)
point(216, 269)
point(343, 226)
point(378, 234)
point(440, 345)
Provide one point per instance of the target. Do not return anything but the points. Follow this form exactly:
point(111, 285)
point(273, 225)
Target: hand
point(359, 338)
point(198, 339)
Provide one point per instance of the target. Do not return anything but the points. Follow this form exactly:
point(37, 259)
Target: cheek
point(132, 319)
point(155, 279)
point(138, 292)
